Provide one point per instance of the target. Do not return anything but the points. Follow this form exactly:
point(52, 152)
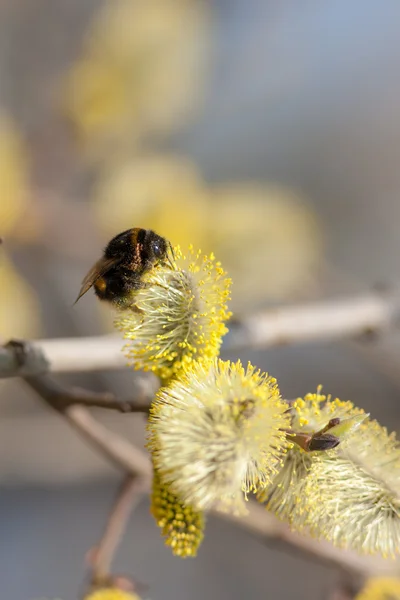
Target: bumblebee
point(126, 258)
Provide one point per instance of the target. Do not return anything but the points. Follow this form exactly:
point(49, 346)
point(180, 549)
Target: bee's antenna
point(171, 249)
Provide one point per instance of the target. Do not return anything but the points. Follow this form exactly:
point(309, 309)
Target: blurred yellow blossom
point(19, 306)
point(13, 176)
point(268, 239)
point(111, 594)
point(141, 74)
point(163, 193)
point(380, 588)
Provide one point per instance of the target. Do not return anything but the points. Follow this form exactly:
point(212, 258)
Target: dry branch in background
point(102, 554)
point(62, 398)
point(374, 312)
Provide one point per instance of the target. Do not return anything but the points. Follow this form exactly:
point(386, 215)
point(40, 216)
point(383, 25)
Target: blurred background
point(267, 132)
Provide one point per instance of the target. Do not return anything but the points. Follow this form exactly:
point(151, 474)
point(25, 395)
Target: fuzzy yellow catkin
point(13, 177)
point(181, 525)
point(135, 53)
point(380, 588)
point(359, 487)
point(284, 495)
point(182, 315)
point(111, 594)
point(349, 495)
point(217, 433)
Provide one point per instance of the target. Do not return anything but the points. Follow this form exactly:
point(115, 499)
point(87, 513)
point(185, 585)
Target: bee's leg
point(134, 308)
point(164, 287)
point(147, 284)
point(128, 303)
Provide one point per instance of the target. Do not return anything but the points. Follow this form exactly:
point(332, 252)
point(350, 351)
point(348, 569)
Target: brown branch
point(374, 312)
point(344, 590)
point(112, 446)
point(275, 532)
point(61, 397)
point(102, 555)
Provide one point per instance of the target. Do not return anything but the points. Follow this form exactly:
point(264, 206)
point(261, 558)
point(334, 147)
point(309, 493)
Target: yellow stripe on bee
point(100, 284)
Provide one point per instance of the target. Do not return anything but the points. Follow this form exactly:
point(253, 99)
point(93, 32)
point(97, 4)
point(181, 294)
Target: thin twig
point(102, 555)
point(375, 312)
point(62, 397)
point(112, 446)
point(273, 531)
point(344, 590)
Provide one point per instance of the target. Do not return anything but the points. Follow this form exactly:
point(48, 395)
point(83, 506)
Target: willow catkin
point(218, 431)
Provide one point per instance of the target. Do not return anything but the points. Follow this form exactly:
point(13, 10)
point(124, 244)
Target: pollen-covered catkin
point(181, 315)
point(349, 495)
point(380, 588)
point(285, 494)
point(217, 433)
point(181, 525)
point(353, 493)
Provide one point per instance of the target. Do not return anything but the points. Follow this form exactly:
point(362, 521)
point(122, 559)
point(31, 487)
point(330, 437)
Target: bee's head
point(123, 247)
point(158, 246)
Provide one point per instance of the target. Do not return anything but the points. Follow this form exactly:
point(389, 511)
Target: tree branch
point(371, 313)
point(260, 522)
point(61, 356)
point(277, 533)
point(101, 556)
point(61, 397)
point(375, 312)
point(114, 448)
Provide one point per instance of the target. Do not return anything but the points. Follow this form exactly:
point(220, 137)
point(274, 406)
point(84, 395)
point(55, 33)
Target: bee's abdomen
point(117, 286)
point(100, 287)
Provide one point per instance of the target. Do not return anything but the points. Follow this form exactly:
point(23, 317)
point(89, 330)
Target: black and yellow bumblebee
point(126, 258)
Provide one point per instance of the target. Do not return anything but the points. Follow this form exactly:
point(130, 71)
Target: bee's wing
point(98, 269)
